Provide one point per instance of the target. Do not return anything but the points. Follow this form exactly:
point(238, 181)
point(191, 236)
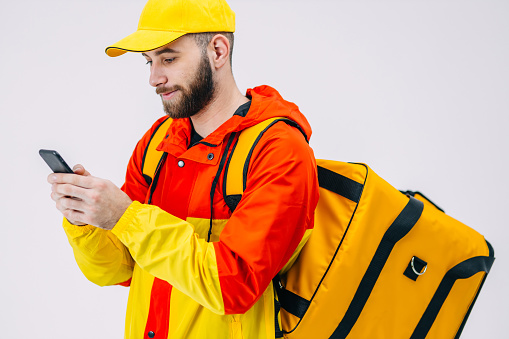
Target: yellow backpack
point(379, 264)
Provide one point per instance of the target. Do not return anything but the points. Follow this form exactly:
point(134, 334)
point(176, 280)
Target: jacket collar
point(266, 103)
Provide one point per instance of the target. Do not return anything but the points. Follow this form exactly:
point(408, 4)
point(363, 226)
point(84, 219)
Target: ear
point(219, 50)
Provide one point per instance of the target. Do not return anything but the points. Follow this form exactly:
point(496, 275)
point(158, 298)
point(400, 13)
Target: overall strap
point(151, 156)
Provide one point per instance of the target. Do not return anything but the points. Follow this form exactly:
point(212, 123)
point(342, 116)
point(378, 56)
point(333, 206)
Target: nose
point(157, 76)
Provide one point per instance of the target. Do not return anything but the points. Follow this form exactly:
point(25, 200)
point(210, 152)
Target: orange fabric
point(257, 239)
point(272, 217)
point(269, 222)
point(126, 283)
point(264, 231)
point(160, 301)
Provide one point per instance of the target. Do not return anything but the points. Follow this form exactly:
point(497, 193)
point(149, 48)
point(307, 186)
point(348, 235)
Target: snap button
point(181, 163)
point(151, 334)
point(210, 156)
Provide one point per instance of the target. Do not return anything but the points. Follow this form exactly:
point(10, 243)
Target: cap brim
point(142, 41)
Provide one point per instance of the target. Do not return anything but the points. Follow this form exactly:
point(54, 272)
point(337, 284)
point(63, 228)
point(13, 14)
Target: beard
point(194, 98)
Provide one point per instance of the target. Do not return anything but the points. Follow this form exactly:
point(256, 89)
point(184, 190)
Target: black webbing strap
point(339, 184)
point(291, 302)
point(491, 255)
point(231, 200)
point(413, 193)
point(277, 307)
point(398, 229)
point(248, 159)
point(463, 270)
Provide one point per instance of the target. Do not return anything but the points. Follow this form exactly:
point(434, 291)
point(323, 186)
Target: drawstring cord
point(214, 183)
point(216, 180)
point(156, 177)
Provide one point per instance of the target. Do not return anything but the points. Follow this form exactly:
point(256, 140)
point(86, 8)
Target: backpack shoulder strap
point(152, 156)
point(235, 175)
point(235, 182)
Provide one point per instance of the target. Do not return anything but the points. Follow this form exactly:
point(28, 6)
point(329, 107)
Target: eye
point(149, 63)
point(169, 61)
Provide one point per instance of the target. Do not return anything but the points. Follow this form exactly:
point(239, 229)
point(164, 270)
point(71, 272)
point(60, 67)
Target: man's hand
point(84, 199)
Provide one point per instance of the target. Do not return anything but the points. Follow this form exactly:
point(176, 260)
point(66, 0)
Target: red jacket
point(181, 285)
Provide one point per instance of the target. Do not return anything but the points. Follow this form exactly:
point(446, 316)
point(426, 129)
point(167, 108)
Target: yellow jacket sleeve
point(168, 248)
point(102, 258)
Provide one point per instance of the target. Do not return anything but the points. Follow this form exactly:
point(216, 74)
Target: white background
point(416, 89)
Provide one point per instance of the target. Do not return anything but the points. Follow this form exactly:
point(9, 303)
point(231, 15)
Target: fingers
point(79, 169)
point(71, 208)
point(84, 181)
point(91, 196)
point(85, 199)
point(68, 203)
point(68, 190)
point(58, 177)
point(55, 196)
point(75, 217)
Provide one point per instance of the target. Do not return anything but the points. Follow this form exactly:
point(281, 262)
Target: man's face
point(182, 76)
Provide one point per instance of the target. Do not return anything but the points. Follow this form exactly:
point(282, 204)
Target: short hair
point(203, 40)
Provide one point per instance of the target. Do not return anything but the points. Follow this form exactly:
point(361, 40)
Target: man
point(195, 269)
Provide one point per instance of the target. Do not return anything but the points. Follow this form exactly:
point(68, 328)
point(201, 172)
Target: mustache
point(161, 90)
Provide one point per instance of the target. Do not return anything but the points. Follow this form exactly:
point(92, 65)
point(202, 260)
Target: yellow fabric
point(153, 156)
point(163, 21)
point(297, 251)
point(392, 302)
point(168, 250)
point(92, 260)
point(235, 178)
point(158, 253)
point(234, 182)
point(261, 315)
point(396, 303)
point(206, 290)
point(455, 307)
point(165, 252)
point(201, 227)
point(234, 186)
point(136, 317)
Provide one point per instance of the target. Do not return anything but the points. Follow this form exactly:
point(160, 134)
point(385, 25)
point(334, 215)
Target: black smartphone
point(55, 161)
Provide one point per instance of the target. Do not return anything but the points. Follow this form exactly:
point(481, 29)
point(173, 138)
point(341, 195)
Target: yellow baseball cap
point(163, 21)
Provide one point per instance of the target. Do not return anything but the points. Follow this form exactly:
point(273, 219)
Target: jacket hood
point(266, 103)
